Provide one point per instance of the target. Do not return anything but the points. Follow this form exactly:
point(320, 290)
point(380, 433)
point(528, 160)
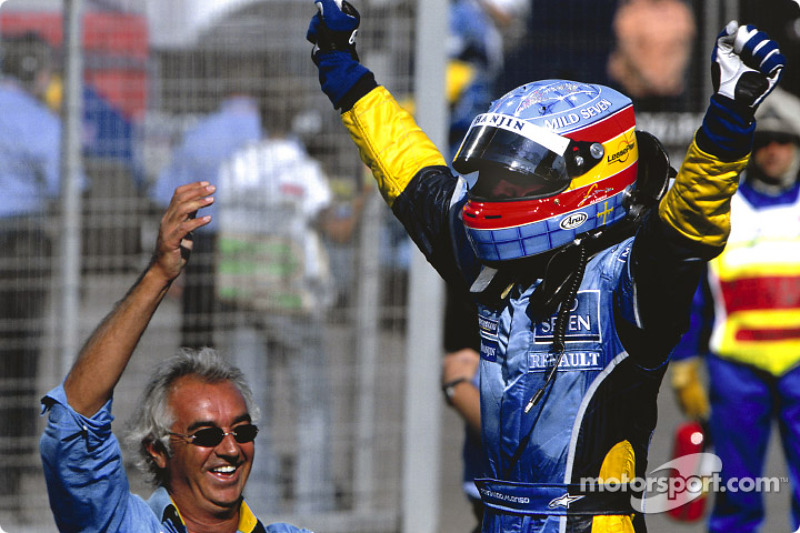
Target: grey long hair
point(152, 419)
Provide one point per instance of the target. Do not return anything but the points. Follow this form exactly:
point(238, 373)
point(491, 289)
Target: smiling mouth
point(226, 470)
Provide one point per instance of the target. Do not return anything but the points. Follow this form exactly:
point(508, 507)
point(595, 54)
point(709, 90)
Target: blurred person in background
point(652, 52)
point(193, 429)
point(580, 260)
point(212, 140)
point(273, 271)
point(30, 135)
point(746, 325)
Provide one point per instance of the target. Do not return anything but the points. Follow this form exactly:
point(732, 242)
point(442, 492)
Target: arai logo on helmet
point(573, 220)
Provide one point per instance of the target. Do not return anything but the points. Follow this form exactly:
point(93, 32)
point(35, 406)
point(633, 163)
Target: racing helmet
point(556, 160)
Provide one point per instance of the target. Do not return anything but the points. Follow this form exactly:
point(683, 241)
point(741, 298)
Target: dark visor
point(514, 165)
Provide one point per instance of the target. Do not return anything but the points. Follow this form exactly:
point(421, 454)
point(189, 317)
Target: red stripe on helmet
point(509, 214)
point(605, 129)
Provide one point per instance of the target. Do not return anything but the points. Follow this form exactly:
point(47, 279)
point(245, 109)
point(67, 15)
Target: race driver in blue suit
point(581, 260)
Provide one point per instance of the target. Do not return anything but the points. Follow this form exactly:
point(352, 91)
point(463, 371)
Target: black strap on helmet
point(652, 178)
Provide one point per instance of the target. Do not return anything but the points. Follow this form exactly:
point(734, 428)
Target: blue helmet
point(556, 160)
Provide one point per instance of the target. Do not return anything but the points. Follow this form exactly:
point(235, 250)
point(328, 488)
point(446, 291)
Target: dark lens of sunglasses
point(762, 139)
point(245, 433)
point(210, 437)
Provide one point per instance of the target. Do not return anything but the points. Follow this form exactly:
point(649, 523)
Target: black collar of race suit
point(555, 269)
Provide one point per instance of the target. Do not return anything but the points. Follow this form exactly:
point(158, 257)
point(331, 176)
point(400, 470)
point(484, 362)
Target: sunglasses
point(210, 437)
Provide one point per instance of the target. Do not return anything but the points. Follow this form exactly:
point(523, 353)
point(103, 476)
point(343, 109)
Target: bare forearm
point(105, 355)
point(458, 369)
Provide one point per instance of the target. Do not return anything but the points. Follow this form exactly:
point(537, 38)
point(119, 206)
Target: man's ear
point(158, 453)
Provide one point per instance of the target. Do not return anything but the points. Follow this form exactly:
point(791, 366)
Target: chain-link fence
point(150, 100)
point(159, 80)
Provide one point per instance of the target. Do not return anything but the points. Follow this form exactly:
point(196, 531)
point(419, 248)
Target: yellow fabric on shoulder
point(389, 141)
point(698, 205)
point(619, 465)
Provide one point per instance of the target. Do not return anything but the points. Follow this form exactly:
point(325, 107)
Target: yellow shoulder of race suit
point(698, 205)
point(389, 141)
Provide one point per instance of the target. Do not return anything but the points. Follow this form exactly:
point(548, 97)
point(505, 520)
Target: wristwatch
point(449, 388)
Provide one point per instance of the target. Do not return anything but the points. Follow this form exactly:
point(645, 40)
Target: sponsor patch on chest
point(541, 361)
point(488, 327)
point(583, 322)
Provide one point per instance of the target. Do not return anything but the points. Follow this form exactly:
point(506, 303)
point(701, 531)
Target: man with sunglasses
point(193, 426)
point(746, 324)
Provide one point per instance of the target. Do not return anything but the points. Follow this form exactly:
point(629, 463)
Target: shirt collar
point(165, 509)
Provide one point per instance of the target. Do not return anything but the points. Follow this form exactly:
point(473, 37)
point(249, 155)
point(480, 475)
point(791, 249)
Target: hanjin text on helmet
point(501, 121)
point(543, 136)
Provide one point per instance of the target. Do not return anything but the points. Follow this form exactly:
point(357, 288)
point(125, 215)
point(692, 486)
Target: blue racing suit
point(597, 416)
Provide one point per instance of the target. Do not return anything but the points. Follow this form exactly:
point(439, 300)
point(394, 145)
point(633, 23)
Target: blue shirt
point(87, 483)
point(213, 140)
point(29, 152)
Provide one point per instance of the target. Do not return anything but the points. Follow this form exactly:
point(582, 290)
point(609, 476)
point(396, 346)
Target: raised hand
point(334, 28)
point(746, 64)
point(332, 31)
point(174, 244)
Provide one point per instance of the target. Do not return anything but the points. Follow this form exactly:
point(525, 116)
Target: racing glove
point(689, 390)
point(746, 66)
point(333, 32)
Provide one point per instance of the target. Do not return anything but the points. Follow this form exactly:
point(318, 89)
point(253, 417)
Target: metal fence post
point(69, 255)
point(423, 345)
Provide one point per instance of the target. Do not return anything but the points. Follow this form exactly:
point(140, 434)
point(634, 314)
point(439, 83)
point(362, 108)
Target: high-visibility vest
point(756, 287)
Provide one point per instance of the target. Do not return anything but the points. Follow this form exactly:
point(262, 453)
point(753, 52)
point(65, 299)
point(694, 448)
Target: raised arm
point(105, 355)
point(692, 223)
point(412, 175)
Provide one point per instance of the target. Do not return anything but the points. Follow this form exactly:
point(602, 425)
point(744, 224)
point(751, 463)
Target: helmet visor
point(517, 159)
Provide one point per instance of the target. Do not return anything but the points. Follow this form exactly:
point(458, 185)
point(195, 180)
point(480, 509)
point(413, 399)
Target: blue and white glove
point(746, 66)
point(334, 27)
point(333, 32)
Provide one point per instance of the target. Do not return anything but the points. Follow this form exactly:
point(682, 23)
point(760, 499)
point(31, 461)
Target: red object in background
point(690, 438)
point(115, 46)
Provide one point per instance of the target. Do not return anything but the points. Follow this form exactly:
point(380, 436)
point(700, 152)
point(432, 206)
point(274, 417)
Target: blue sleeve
point(285, 528)
point(44, 147)
point(86, 480)
point(47, 151)
point(695, 340)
